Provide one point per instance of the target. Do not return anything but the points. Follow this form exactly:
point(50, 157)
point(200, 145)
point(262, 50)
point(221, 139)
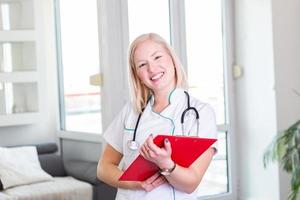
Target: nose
point(151, 67)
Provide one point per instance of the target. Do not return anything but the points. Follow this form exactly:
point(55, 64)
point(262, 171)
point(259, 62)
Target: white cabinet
point(20, 66)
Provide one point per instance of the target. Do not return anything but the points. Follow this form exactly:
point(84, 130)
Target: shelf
point(18, 77)
point(17, 36)
point(13, 1)
point(17, 14)
point(20, 62)
point(18, 56)
point(19, 119)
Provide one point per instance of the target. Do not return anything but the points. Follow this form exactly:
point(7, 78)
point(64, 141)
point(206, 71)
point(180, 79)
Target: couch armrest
point(104, 191)
point(82, 170)
point(52, 164)
point(87, 171)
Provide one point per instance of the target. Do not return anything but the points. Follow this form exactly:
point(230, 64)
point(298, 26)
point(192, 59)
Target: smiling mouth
point(157, 76)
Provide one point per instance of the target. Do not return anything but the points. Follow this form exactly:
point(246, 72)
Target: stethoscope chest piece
point(132, 145)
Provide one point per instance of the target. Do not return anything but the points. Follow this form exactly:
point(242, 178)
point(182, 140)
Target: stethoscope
point(133, 144)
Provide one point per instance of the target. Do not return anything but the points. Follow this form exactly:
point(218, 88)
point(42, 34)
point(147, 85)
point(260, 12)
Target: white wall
point(87, 151)
point(255, 99)
point(44, 131)
point(286, 28)
point(267, 47)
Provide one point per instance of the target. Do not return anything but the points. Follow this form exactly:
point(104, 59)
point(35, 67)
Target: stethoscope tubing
point(136, 125)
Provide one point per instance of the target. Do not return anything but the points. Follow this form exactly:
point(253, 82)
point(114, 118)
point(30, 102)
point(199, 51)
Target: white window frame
point(178, 38)
point(62, 133)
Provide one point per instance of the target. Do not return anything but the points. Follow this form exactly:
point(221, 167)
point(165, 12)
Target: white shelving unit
point(17, 36)
point(20, 63)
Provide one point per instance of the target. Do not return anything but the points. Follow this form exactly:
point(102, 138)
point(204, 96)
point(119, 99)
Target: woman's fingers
point(153, 182)
point(147, 184)
point(150, 144)
point(155, 154)
point(153, 177)
point(149, 151)
point(160, 180)
point(146, 152)
point(168, 146)
point(143, 149)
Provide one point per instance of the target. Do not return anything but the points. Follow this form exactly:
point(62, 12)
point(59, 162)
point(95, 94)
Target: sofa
point(76, 177)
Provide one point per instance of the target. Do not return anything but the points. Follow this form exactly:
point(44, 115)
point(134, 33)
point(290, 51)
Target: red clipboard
point(185, 150)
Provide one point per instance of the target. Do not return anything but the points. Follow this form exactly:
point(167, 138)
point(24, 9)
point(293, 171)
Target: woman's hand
point(153, 182)
point(160, 156)
point(182, 178)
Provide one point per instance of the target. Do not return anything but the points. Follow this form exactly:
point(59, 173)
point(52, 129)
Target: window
point(205, 60)
point(78, 53)
point(193, 27)
point(142, 19)
point(196, 27)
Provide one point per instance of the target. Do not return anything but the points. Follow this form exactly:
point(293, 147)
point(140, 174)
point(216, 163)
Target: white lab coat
point(121, 131)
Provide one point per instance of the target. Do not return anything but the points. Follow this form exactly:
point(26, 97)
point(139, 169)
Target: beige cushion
point(19, 166)
point(5, 197)
point(62, 188)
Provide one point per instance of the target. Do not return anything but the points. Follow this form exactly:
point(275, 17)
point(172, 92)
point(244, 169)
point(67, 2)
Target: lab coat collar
point(175, 96)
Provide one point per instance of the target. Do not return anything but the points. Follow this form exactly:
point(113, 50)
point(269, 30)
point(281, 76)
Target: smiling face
point(154, 66)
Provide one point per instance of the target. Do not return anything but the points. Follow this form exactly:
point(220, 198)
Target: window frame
point(62, 132)
point(178, 39)
point(113, 46)
point(59, 66)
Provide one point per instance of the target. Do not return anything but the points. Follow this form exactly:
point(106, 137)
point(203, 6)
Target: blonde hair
point(139, 92)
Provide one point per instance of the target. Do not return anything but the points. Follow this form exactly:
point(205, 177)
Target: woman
point(157, 82)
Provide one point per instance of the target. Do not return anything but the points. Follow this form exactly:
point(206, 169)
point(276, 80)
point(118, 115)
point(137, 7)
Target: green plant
point(285, 148)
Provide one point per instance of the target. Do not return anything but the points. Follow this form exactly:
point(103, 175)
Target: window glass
point(81, 100)
point(215, 180)
point(205, 71)
point(146, 16)
point(205, 53)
